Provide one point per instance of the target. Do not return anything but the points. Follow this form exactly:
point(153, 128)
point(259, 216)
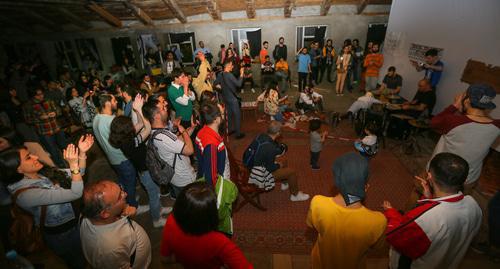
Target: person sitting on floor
point(438, 231)
point(274, 106)
point(190, 236)
point(309, 100)
point(266, 158)
point(367, 145)
point(346, 229)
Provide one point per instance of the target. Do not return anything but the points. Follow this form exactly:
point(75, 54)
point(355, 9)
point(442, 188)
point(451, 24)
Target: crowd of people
point(170, 133)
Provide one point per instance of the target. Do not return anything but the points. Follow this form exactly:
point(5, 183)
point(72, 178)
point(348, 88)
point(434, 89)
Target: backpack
point(24, 235)
point(161, 172)
point(251, 151)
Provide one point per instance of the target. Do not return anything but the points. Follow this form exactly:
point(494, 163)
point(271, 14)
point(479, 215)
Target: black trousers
point(302, 81)
point(328, 69)
point(314, 74)
point(314, 158)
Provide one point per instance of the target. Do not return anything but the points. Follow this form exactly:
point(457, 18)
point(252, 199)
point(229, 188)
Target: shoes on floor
point(315, 167)
point(284, 186)
point(253, 90)
point(300, 196)
point(242, 91)
point(141, 209)
point(159, 223)
point(240, 136)
point(165, 210)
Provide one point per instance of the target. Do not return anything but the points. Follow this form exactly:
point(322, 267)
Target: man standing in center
point(181, 97)
point(346, 229)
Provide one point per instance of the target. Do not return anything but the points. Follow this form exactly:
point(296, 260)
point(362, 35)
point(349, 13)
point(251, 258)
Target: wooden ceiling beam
point(361, 6)
point(139, 13)
point(172, 4)
point(325, 7)
point(214, 10)
point(289, 5)
point(103, 13)
point(250, 6)
point(76, 20)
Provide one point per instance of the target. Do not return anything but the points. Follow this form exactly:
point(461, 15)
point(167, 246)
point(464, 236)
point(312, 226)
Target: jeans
point(127, 178)
point(302, 81)
point(282, 78)
point(234, 116)
point(371, 83)
point(153, 191)
point(67, 245)
point(328, 69)
point(314, 158)
point(54, 144)
point(359, 146)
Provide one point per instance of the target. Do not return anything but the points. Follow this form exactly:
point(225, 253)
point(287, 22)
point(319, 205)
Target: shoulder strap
point(132, 257)
point(155, 149)
point(43, 208)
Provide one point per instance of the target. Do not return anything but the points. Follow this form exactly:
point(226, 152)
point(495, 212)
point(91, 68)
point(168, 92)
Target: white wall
point(465, 29)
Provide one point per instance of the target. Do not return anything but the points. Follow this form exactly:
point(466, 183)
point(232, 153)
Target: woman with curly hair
point(45, 197)
point(131, 140)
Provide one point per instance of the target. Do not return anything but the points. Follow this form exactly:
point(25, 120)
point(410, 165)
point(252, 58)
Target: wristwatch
point(75, 171)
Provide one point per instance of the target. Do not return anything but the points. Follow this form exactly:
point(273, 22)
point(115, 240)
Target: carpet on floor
point(282, 228)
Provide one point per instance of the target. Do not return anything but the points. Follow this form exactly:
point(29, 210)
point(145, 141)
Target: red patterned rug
point(282, 228)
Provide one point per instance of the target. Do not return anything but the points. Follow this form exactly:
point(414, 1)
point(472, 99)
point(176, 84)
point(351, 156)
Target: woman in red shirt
point(191, 237)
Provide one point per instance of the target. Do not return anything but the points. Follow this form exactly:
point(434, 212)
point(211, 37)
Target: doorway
point(376, 34)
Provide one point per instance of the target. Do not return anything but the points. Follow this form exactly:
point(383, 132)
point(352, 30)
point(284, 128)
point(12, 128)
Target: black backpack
point(251, 151)
point(161, 172)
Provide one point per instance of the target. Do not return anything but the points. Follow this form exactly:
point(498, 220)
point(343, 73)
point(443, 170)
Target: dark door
point(376, 33)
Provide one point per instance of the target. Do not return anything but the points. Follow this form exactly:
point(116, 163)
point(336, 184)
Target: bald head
point(424, 85)
point(99, 196)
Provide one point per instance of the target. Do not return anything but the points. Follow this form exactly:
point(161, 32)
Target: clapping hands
point(138, 103)
point(85, 143)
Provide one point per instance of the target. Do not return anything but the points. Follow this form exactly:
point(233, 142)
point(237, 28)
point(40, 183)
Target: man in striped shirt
point(373, 63)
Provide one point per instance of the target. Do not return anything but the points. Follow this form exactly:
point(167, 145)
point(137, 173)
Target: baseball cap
point(351, 174)
point(481, 96)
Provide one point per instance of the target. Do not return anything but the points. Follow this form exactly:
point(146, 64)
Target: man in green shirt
point(181, 97)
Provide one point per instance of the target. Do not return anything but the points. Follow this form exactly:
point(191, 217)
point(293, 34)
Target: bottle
point(18, 261)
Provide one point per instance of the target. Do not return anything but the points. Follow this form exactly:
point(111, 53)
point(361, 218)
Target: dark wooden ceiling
point(36, 16)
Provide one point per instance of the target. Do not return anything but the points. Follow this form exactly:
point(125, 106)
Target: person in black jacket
point(269, 155)
point(280, 50)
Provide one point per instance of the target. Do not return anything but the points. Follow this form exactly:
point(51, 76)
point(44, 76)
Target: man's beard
point(222, 127)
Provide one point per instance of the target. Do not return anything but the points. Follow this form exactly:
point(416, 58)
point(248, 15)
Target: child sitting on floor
point(316, 140)
point(368, 145)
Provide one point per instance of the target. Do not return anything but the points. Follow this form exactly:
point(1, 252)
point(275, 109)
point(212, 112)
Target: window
point(309, 33)
point(251, 36)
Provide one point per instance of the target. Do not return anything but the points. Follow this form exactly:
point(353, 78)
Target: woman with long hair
point(82, 107)
point(191, 237)
point(274, 106)
point(344, 62)
point(131, 140)
point(47, 197)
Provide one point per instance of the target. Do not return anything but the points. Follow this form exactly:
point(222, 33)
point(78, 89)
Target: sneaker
point(253, 90)
point(242, 91)
point(165, 210)
point(141, 209)
point(315, 167)
point(341, 94)
point(300, 196)
point(284, 186)
point(159, 223)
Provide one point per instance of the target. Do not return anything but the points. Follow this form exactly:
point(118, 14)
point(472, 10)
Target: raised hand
point(85, 143)
point(425, 186)
point(138, 103)
point(71, 155)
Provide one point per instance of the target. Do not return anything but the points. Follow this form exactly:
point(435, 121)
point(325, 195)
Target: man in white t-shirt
point(109, 238)
point(173, 149)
